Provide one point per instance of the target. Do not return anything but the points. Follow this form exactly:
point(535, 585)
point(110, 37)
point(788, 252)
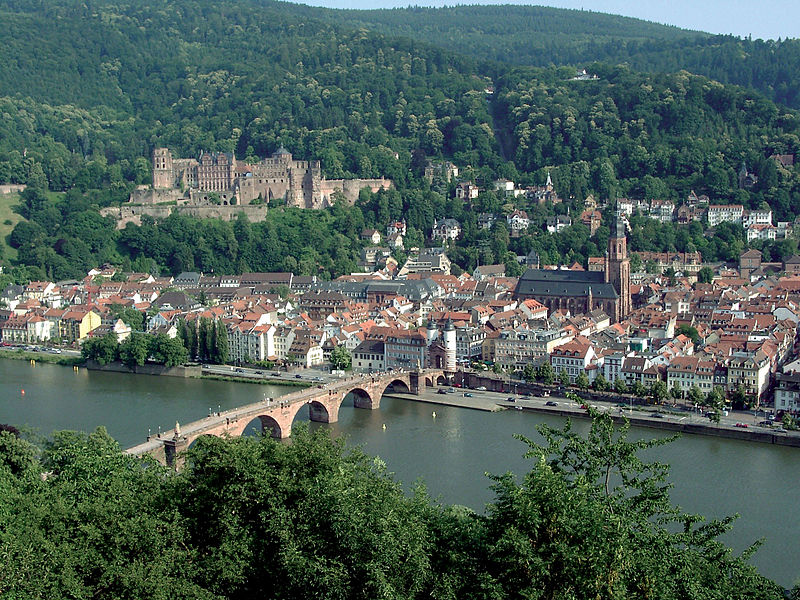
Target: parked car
point(441, 391)
point(511, 399)
point(551, 403)
point(467, 395)
point(481, 388)
point(740, 424)
point(765, 423)
point(298, 376)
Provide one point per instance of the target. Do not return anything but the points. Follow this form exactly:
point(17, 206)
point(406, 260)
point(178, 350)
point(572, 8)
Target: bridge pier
point(323, 413)
point(174, 453)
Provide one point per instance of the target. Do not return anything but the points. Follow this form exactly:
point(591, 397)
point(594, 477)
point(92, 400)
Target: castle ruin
point(217, 185)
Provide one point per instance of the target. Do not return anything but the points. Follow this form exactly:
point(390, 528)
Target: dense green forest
point(542, 36)
point(257, 518)
point(89, 89)
point(650, 136)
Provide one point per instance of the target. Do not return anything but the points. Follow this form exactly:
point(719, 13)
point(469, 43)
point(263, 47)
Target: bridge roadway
point(277, 415)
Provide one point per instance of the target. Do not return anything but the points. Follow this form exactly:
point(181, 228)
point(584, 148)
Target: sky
point(766, 19)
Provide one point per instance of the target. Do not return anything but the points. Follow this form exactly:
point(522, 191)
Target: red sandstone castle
point(299, 182)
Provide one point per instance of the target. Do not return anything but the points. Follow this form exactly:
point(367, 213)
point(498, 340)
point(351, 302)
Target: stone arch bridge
point(278, 414)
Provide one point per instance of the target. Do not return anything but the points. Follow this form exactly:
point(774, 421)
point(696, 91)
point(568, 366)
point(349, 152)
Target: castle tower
point(618, 269)
point(163, 174)
point(450, 346)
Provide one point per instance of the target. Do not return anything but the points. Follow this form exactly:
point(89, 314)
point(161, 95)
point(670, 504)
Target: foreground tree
point(592, 520)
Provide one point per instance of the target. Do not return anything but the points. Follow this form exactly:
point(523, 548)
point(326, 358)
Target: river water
point(712, 476)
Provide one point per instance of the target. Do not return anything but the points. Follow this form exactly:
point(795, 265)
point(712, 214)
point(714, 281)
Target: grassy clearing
point(7, 214)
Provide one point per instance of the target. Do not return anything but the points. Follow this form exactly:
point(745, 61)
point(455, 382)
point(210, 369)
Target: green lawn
point(7, 204)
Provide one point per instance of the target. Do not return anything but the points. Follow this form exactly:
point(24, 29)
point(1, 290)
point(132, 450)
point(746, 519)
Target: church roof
point(546, 282)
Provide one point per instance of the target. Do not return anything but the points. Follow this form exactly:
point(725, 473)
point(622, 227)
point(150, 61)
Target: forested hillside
point(89, 89)
point(650, 136)
point(543, 37)
point(112, 80)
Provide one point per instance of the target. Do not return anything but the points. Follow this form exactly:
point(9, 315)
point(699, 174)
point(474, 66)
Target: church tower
point(618, 268)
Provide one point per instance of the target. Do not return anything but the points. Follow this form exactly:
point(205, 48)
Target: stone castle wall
point(133, 214)
point(351, 188)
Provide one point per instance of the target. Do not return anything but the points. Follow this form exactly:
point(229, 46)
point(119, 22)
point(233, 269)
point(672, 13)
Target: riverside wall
point(147, 369)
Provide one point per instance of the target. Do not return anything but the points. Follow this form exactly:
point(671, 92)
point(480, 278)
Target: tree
point(689, 332)
point(129, 315)
point(101, 350)
point(545, 373)
point(529, 373)
point(694, 395)
point(659, 391)
point(168, 351)
point(220, 343)
point(538, 546)
point(582, 381)
point(705, 275)
point(600, 383)
point(563, 377)
point(620, 386)
point(340, 358)
point(639, 390)
point(676, 392)
point(135, 350)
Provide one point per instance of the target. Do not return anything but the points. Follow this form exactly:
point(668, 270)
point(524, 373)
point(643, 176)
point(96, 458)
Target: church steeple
point(618, 267)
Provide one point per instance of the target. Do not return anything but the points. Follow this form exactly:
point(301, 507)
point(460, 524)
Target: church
point(584, 291)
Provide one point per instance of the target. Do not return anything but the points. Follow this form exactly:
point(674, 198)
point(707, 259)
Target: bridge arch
point(441, 380)
point(397, 385)
point(361, 397)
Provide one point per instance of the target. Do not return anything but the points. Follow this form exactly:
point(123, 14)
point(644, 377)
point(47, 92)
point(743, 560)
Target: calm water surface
point(450, 453)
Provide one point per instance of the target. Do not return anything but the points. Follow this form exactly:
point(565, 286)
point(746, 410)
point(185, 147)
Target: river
point(450, 453)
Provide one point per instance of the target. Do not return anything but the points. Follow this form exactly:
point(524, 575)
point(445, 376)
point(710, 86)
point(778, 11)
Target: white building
point(574, 357)
point(725, 213)
point(446, 229)
point(761, 231)
point(518, 221)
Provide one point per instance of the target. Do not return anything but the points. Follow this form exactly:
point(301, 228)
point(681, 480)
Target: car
point(458, 385)
point(511, 399)
point(298, 376)
point(657, 415)
point(481, 388)
point(240, 370)
point(527, 394)
point(765, 423)
point(741, 425)
point(551, 403)
point(584, 407)
point(275, 374)
point(441, 391)
point(467, 395)
point(780, 430)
